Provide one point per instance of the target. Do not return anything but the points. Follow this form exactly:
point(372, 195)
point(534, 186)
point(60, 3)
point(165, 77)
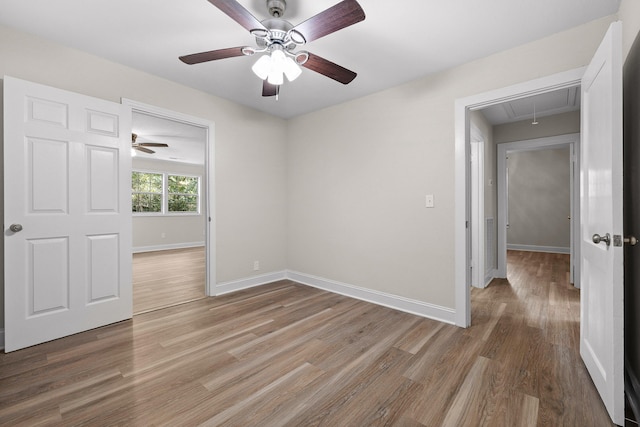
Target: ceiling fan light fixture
point(274, 67)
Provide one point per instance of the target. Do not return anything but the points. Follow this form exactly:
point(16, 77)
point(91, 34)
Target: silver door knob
point(598, 238)
point(631, 240)
point(15, 227)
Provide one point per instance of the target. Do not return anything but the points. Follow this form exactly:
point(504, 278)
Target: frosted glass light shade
point(275, 77)
point(291, 69)
point(277, 66)
point(262, 67)
point(274, 67)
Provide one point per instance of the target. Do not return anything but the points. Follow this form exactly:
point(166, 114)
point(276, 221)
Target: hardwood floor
point(285, 354)
point(165, 278)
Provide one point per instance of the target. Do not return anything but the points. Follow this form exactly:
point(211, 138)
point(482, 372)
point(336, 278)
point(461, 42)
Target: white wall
point(249, 145)
point(178, 230)
point(358, 173)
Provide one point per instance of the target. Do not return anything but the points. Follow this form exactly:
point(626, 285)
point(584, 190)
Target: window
point(146, 192)
point(183, 193)
point(162, 193)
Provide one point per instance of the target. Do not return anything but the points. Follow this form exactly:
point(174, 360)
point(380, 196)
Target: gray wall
point(178, 230)
point(539, 199)
point(632, 223)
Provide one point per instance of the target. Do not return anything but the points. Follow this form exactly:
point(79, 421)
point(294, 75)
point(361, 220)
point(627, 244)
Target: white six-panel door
point(601, 304)
point(67, 173)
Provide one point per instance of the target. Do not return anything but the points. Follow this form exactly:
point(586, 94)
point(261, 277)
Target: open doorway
point(171, 208)
point(538, 197)
point(528, 197)
point(466, 109)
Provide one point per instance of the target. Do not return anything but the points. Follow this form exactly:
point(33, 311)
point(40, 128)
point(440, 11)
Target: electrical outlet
point(163, 235)
point(256, 265)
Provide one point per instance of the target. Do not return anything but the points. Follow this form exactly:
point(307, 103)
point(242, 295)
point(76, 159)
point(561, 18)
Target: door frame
point(462, 188)
point(209, 177)
point(477, 266)
point(572, 141)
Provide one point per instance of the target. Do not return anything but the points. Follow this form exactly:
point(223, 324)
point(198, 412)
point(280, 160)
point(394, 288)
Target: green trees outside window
point(183, 193)
point(146, 192)
point(164, 193)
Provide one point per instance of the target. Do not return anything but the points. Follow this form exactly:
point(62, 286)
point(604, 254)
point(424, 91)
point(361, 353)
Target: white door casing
point(477, 213)
point(463, 108)
point(67, 179)
point(208, 198)
point(601, 304)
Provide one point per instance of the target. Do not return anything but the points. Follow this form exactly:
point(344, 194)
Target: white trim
point(534, 248)
point(461, 194)
point(208, 200)
point(477, 208)
point(491, 274)
point(249, 282)
point(165, 212)
point(167, 247)
point(419, 308)
point(2, 339)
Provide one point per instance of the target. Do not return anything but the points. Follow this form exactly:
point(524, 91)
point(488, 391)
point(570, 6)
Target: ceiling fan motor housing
point(278, 29)
point(276, 7)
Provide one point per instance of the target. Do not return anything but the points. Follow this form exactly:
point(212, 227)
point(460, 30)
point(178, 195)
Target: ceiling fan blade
point(268, 89)
point(152, 144)
point(329, 69)
point(212, 55)
point(238, 13)
point(337, 17)
point(144, 150)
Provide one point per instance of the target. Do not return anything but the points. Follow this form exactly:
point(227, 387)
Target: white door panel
point(601, 327)
point(67, 178)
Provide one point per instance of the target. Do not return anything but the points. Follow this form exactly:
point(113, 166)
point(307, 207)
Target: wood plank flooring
point(285, 354)
point(165, 278)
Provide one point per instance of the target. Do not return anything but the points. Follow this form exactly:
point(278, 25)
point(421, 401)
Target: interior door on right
point(601, 304)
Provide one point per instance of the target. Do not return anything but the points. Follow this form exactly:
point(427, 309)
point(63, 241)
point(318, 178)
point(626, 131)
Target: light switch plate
point(429, 200)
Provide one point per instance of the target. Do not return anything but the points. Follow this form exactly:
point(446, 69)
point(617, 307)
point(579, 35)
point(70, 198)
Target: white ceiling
point(186, 142)
point(399, 41)
point(547, 104)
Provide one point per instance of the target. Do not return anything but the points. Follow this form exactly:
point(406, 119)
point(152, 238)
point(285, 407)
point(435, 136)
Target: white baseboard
point(167, 247)
point(491, 274)
point(248, 282)
point(419, 308)
point(534, 248)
